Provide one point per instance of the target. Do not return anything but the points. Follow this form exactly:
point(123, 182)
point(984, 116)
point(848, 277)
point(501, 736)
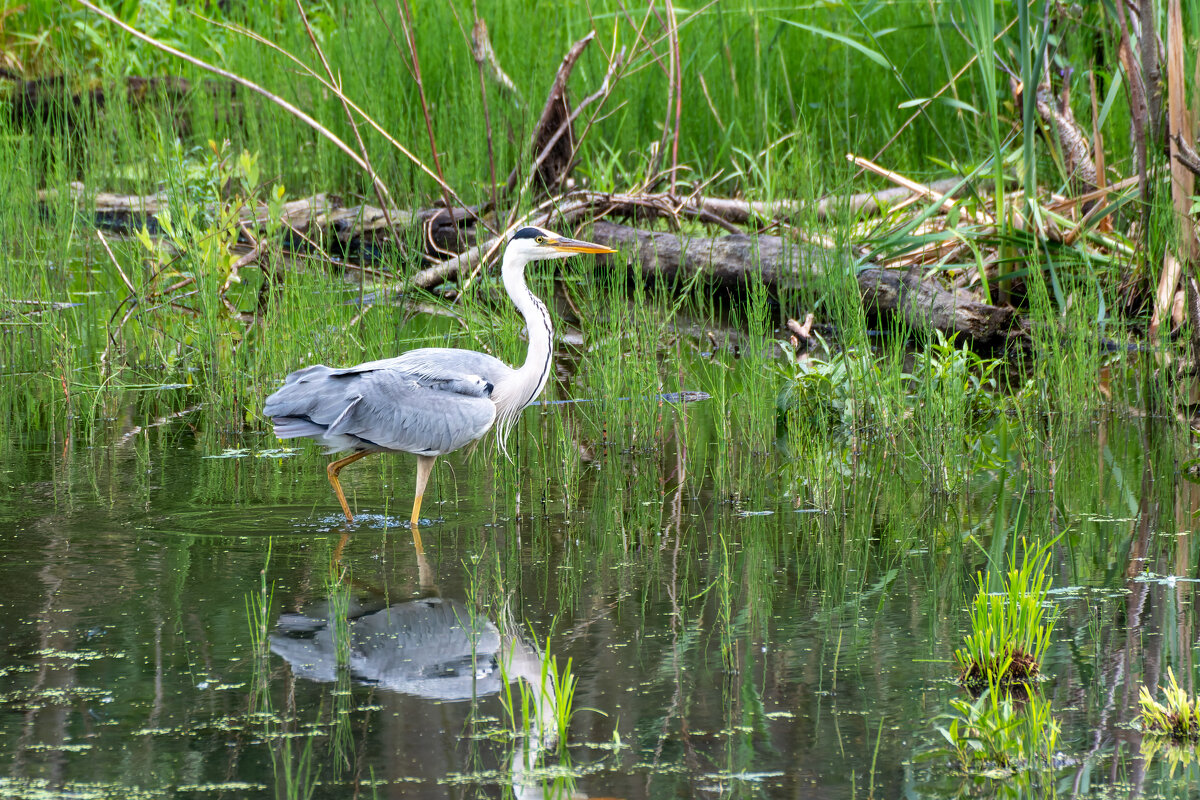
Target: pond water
point(185, 613)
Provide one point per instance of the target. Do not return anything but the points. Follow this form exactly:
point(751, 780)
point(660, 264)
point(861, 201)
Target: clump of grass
point(998, 735)
point(1176, 717)
point(1010, 629)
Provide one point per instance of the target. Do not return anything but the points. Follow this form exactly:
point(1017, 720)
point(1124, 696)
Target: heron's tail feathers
point(296, 428)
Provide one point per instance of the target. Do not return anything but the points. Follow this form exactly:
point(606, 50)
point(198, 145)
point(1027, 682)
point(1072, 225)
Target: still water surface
point(181, 624)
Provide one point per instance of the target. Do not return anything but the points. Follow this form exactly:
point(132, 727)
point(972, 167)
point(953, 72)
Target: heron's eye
point(540, 239)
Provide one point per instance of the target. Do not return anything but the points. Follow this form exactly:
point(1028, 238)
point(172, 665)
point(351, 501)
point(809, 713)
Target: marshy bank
point(776, 502)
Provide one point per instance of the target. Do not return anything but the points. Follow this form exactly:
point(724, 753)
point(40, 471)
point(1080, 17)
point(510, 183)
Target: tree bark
point(733, 260)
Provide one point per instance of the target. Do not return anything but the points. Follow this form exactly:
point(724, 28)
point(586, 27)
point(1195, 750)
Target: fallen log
point(325, 217)
point(733, 260)
point(729, 260)
point(741, 212)
point(320, 217)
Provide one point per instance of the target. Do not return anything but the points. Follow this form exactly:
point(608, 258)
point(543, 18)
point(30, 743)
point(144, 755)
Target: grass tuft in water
point(1009, 629)
point(1176, 717)
point(997, 734)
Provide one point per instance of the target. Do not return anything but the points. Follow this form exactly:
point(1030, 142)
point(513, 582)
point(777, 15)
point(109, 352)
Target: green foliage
point(952, 384)
point(837, 393)
point(1010, 628)
point(45, 37)
point(1176, 716)
point(948, 404)
point(996, 735)
point(1178, 756)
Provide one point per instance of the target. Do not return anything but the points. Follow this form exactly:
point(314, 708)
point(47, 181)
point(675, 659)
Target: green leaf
point(946, 101)
point(846, 40)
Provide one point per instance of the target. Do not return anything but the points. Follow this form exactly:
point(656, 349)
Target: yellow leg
point(332, 471)
point(415, 520)
point(341, 545)
point(424, 467)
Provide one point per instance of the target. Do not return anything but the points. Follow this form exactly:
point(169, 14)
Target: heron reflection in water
point(430, 401)
point(433, 648)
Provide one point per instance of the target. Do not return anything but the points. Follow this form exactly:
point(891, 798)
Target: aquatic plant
point(1174, 755)
point(541, 708)
point(1176, 717)
point(998, 734)
point(835, 392)
point(1010, 629)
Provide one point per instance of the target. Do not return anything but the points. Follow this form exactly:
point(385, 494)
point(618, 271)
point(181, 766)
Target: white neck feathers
point(527, 382)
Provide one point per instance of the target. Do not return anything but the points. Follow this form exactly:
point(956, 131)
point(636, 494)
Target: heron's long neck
point(531, 376)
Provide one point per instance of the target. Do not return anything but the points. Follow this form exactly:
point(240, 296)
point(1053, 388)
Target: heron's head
point(538, 244)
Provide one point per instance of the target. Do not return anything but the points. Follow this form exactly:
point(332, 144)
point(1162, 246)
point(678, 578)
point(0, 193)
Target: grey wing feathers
point(437, 363)
point(418, 405)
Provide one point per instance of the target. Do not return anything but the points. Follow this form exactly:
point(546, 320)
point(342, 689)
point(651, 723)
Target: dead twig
point(410, 39)
point(335, 90)
point(362, 147)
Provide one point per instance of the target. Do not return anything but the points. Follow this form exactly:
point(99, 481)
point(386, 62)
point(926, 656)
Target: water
point(728, 639)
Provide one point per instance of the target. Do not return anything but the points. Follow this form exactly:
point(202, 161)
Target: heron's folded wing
point(435, 363)
point(402, 412)
point(420, 405)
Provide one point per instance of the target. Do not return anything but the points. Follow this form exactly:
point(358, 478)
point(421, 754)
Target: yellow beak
point(577, 246)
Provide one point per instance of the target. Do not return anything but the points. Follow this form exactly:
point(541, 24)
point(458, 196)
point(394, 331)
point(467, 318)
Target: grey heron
point(430, 401)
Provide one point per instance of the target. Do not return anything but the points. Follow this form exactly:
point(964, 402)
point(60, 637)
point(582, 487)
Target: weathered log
point(740, 212)
point(320, 217)
point(324, 217)
point(925, 304)
point(729, 260)
point(1066, 135)
point(734, 260)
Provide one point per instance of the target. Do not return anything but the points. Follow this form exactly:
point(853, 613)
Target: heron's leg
point(341, 545)
point(332, 471)
point(424, 467)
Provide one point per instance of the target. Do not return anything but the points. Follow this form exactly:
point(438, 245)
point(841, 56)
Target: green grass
point(1176, 716)
point(777, 98)
point(859, 479)
point(1010, 624)
point(997, 735)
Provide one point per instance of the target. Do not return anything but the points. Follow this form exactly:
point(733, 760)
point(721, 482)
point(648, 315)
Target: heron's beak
point(576, 246)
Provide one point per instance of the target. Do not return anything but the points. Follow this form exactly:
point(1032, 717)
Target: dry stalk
point(1179, 122)
point(481, 48)
point(406, 24)
point(1137, 111)
point(676, 89)
point(950, 84)
point(555, 110)
point(919, 188)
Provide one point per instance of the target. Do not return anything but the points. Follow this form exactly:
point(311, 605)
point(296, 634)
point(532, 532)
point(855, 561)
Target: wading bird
point(430, 401)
